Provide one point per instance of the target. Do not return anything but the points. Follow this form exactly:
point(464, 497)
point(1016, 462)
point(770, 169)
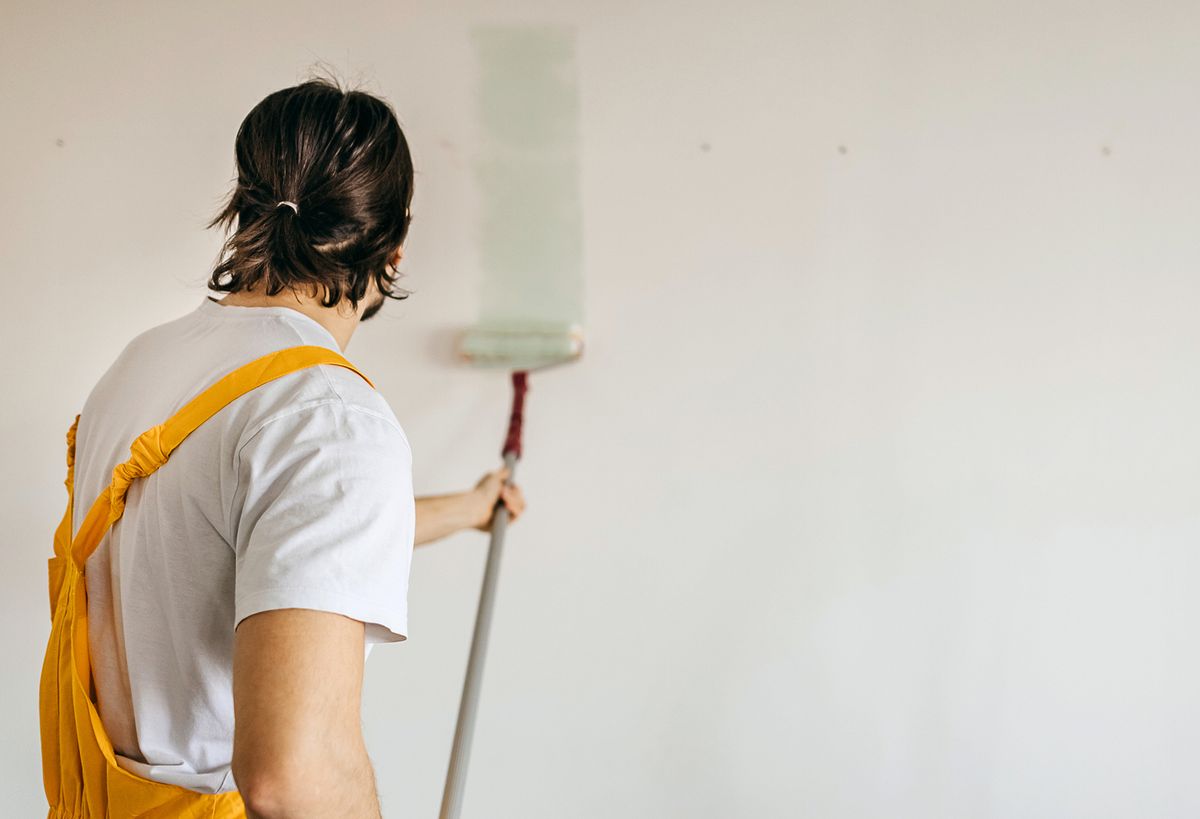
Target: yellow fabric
point(79, 769)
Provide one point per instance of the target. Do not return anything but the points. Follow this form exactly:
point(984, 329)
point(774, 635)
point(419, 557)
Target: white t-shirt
point(296, 495)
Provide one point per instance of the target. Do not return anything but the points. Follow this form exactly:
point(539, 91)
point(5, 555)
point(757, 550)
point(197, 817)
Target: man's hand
point(492, 489)
point(442, 515)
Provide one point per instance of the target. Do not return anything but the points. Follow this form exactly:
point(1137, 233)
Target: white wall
point(875, 493)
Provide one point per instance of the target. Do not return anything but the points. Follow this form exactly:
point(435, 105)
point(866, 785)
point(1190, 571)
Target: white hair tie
point(292, 205)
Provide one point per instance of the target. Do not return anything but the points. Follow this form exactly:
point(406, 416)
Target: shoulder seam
point(321, 367)
point(290, 411)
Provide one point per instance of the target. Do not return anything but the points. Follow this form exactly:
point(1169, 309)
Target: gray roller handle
point(460, 752)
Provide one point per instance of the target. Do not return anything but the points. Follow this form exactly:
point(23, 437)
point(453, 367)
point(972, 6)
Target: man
point(247, 574)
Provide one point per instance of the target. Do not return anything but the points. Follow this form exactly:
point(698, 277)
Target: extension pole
point(460, 752)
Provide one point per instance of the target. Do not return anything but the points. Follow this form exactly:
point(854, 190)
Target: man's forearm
point(442, 515)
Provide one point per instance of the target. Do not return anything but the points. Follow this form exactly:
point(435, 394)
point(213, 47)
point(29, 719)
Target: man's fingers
point(514, 500)
point(494, 479)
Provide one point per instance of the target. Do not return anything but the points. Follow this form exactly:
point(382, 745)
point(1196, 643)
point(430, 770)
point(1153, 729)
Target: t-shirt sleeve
point(324, 517)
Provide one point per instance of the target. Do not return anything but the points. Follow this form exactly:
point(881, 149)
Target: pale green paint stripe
point(531, 224)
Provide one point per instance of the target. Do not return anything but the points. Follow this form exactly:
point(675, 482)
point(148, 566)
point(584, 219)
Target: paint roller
point(531, 238)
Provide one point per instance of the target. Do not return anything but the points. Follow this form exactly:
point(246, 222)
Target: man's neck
point(341, 321)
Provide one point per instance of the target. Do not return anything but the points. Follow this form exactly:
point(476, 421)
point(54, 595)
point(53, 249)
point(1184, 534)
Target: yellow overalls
point(81, 775)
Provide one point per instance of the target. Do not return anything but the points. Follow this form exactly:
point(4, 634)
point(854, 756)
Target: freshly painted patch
point(531, 225)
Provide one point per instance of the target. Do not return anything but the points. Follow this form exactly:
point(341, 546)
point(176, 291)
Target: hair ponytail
point(344, 163)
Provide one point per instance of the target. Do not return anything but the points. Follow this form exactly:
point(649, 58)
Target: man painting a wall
point(260, 531)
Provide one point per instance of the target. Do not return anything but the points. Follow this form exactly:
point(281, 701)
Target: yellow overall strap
point(62, 535)
point(151, 449)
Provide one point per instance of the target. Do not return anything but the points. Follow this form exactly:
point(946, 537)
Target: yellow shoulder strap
point(62, 535)
point(152, 448)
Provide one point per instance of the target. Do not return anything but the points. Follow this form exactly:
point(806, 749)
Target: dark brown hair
point(341, 157)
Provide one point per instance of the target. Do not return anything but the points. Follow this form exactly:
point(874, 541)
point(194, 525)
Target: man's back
point(297, 495)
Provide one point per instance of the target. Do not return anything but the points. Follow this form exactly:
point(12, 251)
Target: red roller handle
point(512, 444)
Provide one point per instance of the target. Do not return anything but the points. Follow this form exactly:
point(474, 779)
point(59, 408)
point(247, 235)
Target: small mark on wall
point(59, 142)
point(1106, 150)
point(704, 146)
point(842, 150)
point(451, 149)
